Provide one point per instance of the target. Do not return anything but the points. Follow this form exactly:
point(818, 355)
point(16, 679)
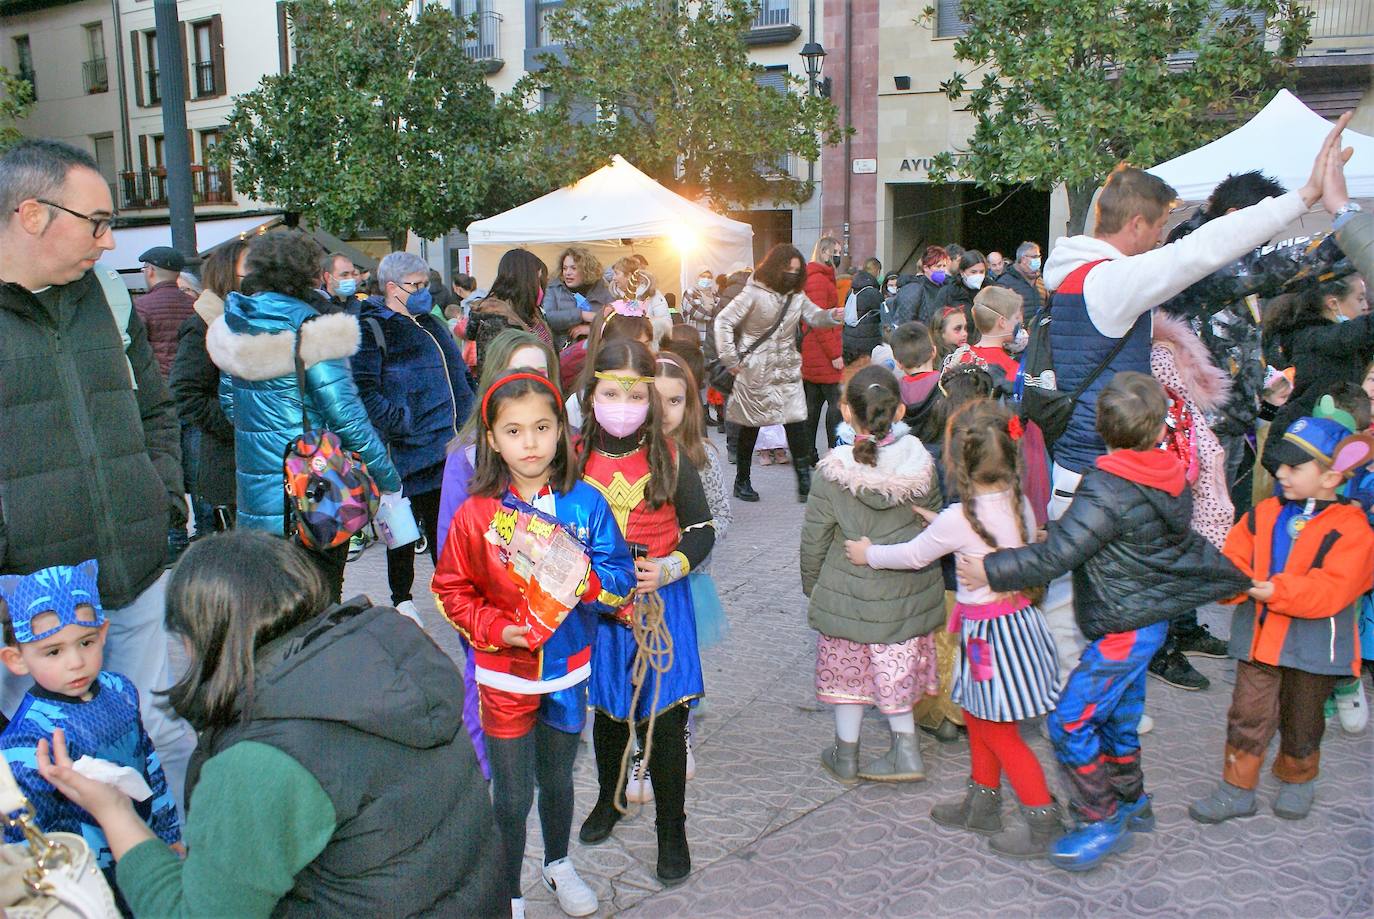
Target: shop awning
point(131, 242)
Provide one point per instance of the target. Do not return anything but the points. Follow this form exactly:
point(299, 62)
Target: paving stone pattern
point(773, 835)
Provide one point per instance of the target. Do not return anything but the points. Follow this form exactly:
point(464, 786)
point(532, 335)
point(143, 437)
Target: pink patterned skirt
point(892, 677)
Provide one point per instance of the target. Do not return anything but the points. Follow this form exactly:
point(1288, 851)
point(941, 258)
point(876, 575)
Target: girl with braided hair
point(875, 646)
point(1007, 669)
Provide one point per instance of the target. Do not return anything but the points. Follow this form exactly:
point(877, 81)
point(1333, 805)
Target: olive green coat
point(850, 500)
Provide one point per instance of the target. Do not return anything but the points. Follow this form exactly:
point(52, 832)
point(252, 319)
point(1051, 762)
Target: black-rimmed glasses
point(99, 225)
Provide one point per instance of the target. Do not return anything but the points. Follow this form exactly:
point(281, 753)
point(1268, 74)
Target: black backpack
point(1037, 385)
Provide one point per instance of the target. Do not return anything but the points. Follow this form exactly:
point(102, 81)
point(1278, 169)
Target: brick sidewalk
point(772, 835)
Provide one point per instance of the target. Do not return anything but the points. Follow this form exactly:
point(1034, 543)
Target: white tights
point(849, 718)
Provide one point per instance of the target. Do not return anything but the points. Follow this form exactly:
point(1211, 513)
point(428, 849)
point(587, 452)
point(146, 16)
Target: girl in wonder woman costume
point(531, 673)
point(660, 505)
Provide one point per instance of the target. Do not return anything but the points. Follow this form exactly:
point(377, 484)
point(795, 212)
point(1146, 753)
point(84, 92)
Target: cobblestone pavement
point(772, 835)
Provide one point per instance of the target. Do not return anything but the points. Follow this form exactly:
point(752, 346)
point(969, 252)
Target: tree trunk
point(1080, 200)
point(398, 240)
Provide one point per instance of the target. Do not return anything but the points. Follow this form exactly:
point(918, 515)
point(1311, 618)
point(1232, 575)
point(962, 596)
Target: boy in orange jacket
point(1310, 554)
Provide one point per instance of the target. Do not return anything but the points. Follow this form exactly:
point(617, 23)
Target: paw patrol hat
point(59, 590)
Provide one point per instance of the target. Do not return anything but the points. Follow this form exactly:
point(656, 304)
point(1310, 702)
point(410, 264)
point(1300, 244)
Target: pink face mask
point(620, 419)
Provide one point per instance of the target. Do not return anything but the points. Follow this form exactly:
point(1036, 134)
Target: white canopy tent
point(1281, 141)
point(614, 212)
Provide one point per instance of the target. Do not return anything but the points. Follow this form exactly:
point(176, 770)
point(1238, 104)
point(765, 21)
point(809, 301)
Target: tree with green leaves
point(669, 86)
point(16, 98)
point(1071, 88)
point(382, 123)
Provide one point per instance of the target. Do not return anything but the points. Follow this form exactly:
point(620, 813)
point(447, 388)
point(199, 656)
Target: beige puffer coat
point(768, 389)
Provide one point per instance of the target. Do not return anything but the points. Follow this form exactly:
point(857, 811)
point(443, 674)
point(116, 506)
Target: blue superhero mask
point(59, 590)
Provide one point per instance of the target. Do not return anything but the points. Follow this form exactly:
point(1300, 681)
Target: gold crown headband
point(627, 383)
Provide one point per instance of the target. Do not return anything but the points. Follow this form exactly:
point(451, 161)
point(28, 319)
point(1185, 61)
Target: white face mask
point(974, 281)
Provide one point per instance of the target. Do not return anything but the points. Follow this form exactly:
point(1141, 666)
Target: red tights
point(996, 747)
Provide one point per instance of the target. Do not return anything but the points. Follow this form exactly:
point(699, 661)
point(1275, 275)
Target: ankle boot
point(979, 811)
point(674, 858)
point(841, 760)
point(1043, 826)
point(803, 468)
point(608, 742)
point(901, 763)
point(744, 489)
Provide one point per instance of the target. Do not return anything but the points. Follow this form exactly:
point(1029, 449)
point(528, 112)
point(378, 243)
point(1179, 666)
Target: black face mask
point(835, 261)
point(791, 279)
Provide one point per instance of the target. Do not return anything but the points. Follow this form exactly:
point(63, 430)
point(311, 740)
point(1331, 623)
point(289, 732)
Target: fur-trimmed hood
point(1206, 385)
point(905, 472)
point(242, 345)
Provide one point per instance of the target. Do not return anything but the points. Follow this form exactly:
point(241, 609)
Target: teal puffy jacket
point(252, 344)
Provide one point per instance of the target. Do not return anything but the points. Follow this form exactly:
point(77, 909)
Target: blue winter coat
point(252, 343)
point(414, 386)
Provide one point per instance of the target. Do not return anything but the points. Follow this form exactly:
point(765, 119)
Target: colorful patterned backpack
point(329, 494)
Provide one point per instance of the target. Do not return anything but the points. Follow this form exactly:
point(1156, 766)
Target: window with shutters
point(23, 53)
point(775, 78)
point(94, 73)
point(153, 94)
point(949, 19)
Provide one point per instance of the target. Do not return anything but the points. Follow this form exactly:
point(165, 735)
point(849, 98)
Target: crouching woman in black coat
point(1136, 563)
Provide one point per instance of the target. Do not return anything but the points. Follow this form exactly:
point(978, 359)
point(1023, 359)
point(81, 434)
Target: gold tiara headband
point(627, 383)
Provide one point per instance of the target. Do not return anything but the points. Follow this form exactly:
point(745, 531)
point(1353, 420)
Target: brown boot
point(1043, 826)
point(980, 810)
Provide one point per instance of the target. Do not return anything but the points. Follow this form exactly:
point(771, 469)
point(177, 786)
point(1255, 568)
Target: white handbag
point(49, 875)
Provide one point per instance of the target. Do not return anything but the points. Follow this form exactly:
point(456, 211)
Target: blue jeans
point(202, 513)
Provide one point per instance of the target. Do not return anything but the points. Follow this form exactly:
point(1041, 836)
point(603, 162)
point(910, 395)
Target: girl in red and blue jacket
point(533, 692)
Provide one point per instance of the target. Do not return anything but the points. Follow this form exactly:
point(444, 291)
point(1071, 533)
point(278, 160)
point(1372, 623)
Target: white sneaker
point(407, 608)
point(1352, 707)
point(517, 908)
point(691, 760)
point(1147, 724)
point(574, 896)
point(638, 788)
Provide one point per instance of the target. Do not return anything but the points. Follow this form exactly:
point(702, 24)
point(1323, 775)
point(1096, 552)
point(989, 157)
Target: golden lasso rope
point(653, 652)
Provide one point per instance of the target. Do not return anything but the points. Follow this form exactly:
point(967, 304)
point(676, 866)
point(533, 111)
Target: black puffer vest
point(372, 709)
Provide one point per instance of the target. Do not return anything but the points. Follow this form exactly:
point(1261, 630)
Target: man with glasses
point(91, 466)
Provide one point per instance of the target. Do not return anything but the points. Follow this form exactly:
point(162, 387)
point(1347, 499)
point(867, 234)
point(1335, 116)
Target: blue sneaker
point(1085, 847)
point(1139, 815)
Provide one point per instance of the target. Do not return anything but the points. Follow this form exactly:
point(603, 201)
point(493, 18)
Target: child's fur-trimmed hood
point(1207, 386)
point(904, 473)
point(269, 355)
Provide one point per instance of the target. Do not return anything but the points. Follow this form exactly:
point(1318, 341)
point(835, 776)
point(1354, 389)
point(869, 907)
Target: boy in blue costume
point(54, 631)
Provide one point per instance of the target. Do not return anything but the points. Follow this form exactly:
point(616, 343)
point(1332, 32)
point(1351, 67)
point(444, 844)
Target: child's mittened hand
point(513, 636)
point(972, 574)
point(857, 550)
point(1262, 591)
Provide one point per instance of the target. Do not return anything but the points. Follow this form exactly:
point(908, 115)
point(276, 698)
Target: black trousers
point(748, 437)
point(331, 563)
point(667, 760)
point(816, 395)
point(544, 757)
point(400, 562)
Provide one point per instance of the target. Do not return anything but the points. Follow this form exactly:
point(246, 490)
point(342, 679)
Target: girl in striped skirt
point(1007, 669)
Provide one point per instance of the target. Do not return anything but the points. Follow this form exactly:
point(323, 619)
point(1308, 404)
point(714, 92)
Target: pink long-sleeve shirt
point(951, 532)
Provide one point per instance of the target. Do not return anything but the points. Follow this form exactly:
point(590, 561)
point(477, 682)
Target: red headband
point(512, 377)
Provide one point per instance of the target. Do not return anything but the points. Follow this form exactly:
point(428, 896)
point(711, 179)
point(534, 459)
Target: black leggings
point(543, 757)
point(748, 437)
point(667, 759)
point(400, 562)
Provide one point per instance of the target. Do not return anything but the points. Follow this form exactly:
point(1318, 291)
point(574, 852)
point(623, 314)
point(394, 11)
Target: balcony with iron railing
point(1341, 26)
point(205, 78)
point(484, 47)
point(777, 22)
point(147, 188)
point(95, 76)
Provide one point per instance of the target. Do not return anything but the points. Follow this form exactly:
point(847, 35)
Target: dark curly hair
point(770, 271)
point(285, 262)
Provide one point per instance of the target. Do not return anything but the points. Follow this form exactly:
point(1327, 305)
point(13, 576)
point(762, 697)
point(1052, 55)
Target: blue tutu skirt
point(1367, 626)
point(613, 654)
point(712, 625)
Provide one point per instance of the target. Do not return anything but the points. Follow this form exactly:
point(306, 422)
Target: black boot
point(744, 489)
point(803, 467)
point(608, 741)
point(674, 859)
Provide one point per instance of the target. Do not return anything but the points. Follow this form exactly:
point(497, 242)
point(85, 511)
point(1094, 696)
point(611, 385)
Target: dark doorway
point(925, 215)
point(770, 228)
